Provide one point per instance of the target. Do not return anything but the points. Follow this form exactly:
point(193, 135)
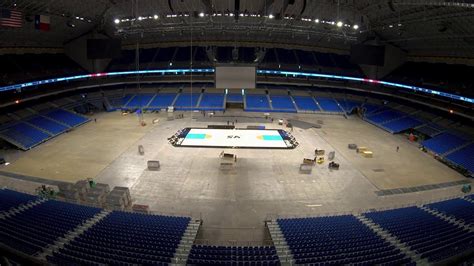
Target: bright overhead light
point(201, 14)
point(390, 26)
point(356, 26)
point(316, 20)
point(155, 16)
point(339, 24)
point(140, 18)
point(271, 16)
point(117, 21)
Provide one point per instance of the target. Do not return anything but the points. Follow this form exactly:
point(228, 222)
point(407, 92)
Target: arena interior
point(236, 132)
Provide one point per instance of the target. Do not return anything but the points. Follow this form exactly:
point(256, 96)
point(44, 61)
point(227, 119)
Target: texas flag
point(42, 22)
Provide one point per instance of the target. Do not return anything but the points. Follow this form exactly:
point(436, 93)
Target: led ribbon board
point(260, 72)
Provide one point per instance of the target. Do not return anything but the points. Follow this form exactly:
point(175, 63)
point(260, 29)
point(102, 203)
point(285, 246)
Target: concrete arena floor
point(265, 184)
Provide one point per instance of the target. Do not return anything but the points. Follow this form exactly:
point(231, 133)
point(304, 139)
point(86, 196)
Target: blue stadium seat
point(222, 255)
point(329, 105)
point(257, 102)
point(306, 103)
point(162, 100)
point(47, 124)
point(33, 229)
point(235, 98)
point(282, 103)
point(402, 124)
point(457, 208)
point(66, 117)
point(463, 157)
point(443, 142)
point(11, 199)
point(336, 240)
point(123, 237)
point(139, 101)
point(25, 135)
point(212, 101)
point(428, 235)
point(187, 101)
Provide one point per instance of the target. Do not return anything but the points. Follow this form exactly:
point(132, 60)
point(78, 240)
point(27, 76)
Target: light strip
point(373, 81)
point(261, 72)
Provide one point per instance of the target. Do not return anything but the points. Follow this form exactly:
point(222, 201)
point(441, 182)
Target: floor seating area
point(47, 124)
point(337, 240)
point(329, 105)
point(306, 103)
point(11, 199)
point(24, 135)
point(463, 157)
point(458, 208)
point(41, 225)
point(426, 234)
point(222, 255)
point(257, 102)
point(430, 129)
point(212, 101)
point(402, 124)
point(349, 105)
point(123, 237)
point(443, 142)
point(384, 116)
point(66, 117)
point(282, 103)
point(36, 129)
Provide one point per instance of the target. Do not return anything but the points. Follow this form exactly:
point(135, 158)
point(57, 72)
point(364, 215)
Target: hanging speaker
point(391, 6)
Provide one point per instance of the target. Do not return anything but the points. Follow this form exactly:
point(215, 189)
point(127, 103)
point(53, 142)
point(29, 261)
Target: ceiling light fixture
point(271, 16)
point(117, 21)
point(201, 14)
point(339, 24)
point(316, 20)
point(356, 26)
point(155, 16)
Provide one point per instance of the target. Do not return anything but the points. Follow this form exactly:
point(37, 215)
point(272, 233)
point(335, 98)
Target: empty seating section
point(329, 105)
point(235, 97)
point(428, 235)
point(126, 99)
point(458, 208)
point(443, 142)
point(337, 240)
point(212, 101)
point(220, 255)
point(306, 103)
point(349, 105)
point(402, 124)
point(47, 124)
point(371, 108)
point(11, 199)
point(187, 101)
point(384, 117)
point(25, 135)
point(429, 130)
point(463, 157)
point(66, 117)
point(123, 237)
point(162, 100)
point(35, 228)
point(139, 101)
point(257, 102)
point(283, 103)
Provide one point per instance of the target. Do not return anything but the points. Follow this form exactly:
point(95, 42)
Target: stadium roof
point(422, 28)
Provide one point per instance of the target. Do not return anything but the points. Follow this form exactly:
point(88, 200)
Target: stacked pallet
point(96, 195)
point(118, 199)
